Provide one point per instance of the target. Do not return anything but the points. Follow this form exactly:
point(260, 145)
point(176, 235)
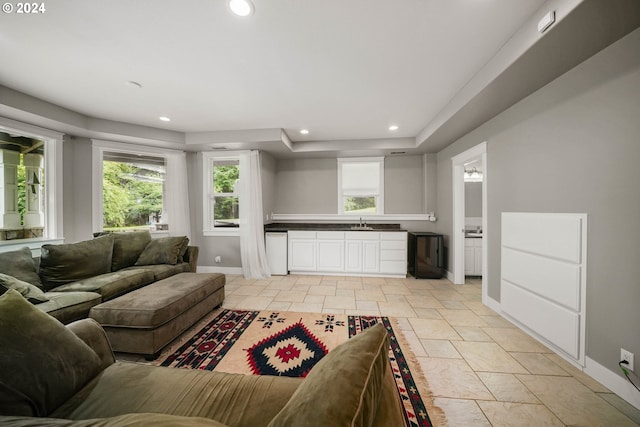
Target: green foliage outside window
point(131, 195)
point(360, 204)
point(225, 178)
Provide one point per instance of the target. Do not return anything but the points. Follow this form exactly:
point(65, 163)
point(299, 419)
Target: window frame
point(208, 194)
point(99, 148)
point(53, 177)
point(379, 196)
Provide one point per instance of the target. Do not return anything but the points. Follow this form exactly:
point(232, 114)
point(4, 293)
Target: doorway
point(478, 156)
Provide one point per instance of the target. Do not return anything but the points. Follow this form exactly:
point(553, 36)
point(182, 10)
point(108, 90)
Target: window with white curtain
point(361, 185)
point(221, 188)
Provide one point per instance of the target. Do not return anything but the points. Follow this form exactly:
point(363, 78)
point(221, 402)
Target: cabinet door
point(330, 255)
point(469, 261)
point(302, 255)
point(353, 256)
point(370, 257)
point(478, 261)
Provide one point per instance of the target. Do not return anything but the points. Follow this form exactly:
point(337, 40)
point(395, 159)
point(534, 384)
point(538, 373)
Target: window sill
point(223, 232)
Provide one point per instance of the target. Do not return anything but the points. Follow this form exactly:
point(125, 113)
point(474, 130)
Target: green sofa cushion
point(110, 285)
point(20, 265)
point(42, 363)
point(164, 250)
point(127, 247)
point(68, 307)
point(344, 388)
point(70, 262)
point(32, 293)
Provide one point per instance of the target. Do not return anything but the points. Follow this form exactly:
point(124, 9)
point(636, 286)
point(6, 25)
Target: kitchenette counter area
point(306, 226)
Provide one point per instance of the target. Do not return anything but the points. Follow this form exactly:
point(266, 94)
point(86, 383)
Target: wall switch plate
point(628, 356)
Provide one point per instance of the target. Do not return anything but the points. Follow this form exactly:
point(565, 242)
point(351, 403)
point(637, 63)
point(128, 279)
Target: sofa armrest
point(191, 256)
point(90, 331)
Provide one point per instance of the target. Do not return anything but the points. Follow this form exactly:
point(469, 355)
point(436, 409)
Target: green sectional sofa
point(57, 375)
point(68, 279)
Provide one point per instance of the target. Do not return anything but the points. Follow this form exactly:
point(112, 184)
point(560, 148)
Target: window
point(133, 188)
point(30, 179)
point(221, 188)
point(361, 186)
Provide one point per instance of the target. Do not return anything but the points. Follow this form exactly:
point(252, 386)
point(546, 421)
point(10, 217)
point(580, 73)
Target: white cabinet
point(330, 251)
point(362, 252)
point(356, 252)
point(473, 256)
point(302, 251)
point(393, 253)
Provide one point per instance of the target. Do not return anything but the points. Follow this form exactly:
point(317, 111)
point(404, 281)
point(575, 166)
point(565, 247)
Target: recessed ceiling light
point(165, 118)
point(304, 131)
point(393, 127)
point(241, 7)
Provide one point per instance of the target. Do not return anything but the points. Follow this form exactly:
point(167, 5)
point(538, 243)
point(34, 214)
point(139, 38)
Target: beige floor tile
point(454, 305)
point(254, 303)
point(269, 293)
point(427, 313)
point(573, 402)
point(306, 307)
point(585, 379)
point(374, 281)
point(349, 284)
point(333, 311)
point(396, 309)
point(472, 333)
point(290, 296)
point(434, 329)
point(453, 378)
point(309, 280)
point(415, 344)
point(396, 289)
point(230, 301)
point(397, 299)
point(538, 364)
point(620, 404)
point(242, 281)
point(507, 388)
point(281, 285)
point(404, 324)
point(279, 305)
point(367, 305)
point(346, 293)
point(505, 414)
point(314, 299)
point(447, 295)
point(460, 412)
point(497, 321)
point(248, 290)
point(440, 348)
point(370, 295)
point(462, 317)
point(479, 308)
point(359, 312)
point(488, 357)
point(345, 303)
point(515, 340)
point(329, 281)
point(261, 282)
point(426, 301)
point(322, 290)
point(301, 288)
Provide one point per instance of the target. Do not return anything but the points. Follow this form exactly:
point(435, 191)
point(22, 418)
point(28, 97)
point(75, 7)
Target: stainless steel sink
point(361, 228)
point(473, 235)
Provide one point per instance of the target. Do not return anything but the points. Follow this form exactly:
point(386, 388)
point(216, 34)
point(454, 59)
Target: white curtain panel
point(252, 250)
point(177, 193)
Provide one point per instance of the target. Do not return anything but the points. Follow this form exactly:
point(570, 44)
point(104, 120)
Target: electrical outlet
point(628, 356)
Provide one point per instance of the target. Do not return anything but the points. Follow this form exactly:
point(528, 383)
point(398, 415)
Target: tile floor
point(482, 370)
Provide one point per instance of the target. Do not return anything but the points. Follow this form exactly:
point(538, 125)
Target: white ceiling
point(345, 70)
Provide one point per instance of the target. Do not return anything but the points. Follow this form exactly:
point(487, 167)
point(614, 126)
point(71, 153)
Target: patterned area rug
point(290, 344)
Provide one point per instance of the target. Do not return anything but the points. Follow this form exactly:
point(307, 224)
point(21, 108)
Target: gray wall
point(403, 185)
point(77, 189)
point(268, 176)
point(473, 199)
point(578, 138)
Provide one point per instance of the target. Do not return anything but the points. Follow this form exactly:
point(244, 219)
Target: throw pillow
point(127, 247)
point(20, 264)
point(70, 262)
point(344, 388)
point(42, 363)
point(164, 250)
point(32, 293)
point(183, 249)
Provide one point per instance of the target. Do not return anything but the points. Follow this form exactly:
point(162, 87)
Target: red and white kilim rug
point(290, 343)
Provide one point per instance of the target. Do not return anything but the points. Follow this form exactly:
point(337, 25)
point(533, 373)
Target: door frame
point(478, 152)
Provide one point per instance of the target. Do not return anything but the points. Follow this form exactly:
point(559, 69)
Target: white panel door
point(330, 255)
point(302, 254)
point(370, 257)
point(353, 256)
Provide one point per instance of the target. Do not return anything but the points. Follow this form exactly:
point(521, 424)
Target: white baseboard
point(617, 384)
point(449, 275)
point(494, 305)
point(223, 270)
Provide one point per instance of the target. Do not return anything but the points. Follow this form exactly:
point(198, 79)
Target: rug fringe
point(436, 414)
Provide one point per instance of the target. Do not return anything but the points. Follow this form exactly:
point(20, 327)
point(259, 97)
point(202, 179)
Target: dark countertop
point(305, 226)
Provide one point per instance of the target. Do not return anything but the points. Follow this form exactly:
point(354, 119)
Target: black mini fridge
point(426, 255)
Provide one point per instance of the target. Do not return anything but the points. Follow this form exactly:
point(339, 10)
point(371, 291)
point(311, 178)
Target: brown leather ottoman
point(147, 319)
